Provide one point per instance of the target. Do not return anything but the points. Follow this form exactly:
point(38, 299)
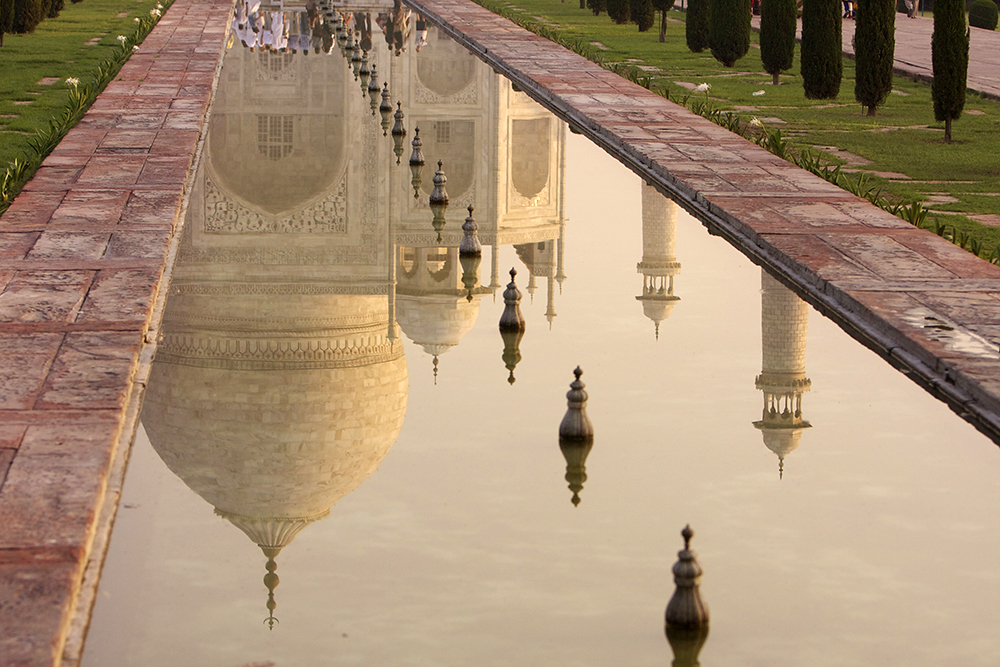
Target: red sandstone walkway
point(82, 251)
point(84, 247)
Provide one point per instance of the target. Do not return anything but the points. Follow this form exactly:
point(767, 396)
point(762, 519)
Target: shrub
point(643, 14)
point(874, 44)
point(619, 10)
point(729, 30)
point(777, 35)
point(950, 57)
point(822, 50)
point(27, 15)
point(6, 18)
point(696, 26)
point(597, 6)
point(983, 14)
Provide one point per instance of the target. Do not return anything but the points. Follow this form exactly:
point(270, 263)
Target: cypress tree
point(696, 26)
point(950, 56)
point(643, 14)
point(597, 6)
point(663, 6)
point(822, 50)
point(874, 45)
point(6, 18)
point(729, 30)
point(27, 15)
point(619, 11)
point(55, 7)
point(778, 22)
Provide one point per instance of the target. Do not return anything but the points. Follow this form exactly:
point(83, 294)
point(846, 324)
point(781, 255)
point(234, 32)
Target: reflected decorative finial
point(439, 195)
point(356, 59)
point(385, 108)
point(686, 609)
point(470, 245)
point(416, 162)
point(575, 424)
point(373, 90)
point(511, 352)
point(365, 73)
point(271, 582)
point(398, 129)
point(435, 370)
point(781, 468)
point(511, 319)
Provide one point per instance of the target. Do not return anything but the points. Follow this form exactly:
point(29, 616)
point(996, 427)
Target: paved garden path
point(913, 52)
point(84, 248)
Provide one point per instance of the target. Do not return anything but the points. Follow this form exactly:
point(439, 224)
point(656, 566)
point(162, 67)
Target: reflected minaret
point(784, 323)
point(659, 260)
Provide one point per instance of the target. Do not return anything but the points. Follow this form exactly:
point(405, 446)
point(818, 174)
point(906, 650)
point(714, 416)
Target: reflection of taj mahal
point(783, 381)
point(659, 262)
point(280, 382)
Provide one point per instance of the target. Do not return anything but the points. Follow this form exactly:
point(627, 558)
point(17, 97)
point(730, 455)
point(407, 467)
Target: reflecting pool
point(342, 461)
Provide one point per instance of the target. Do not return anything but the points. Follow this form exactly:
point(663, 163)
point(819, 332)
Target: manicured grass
point(57, 49)
point(903, 139)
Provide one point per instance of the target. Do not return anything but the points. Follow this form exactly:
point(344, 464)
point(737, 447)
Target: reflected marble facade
point(782, 380)
point(280, 381)
point(659, 262)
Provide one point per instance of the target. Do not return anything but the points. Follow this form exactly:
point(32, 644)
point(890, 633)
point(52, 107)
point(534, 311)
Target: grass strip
point(52, 76)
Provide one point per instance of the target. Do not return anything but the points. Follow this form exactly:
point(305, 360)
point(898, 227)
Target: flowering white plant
point(122, 38)
point(155, 13)
point(136, 19)
point(755, 122)
point(703, 88)
point(73, 81)
point(135, 48)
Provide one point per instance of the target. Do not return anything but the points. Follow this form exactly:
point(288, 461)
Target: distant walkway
point(913, 52)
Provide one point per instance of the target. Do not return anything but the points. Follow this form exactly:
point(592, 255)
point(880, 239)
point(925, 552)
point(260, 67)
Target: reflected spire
point(511, 351)
point(435, 370)
point(783, 381)
point(659, 262)
point(271, 582)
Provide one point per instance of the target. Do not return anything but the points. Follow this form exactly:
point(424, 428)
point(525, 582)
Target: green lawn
point(903, 139)
point(57, 49)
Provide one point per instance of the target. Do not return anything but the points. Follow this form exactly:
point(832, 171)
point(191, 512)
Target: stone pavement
point(913, 52)
point(84, 248)
point(82, 252)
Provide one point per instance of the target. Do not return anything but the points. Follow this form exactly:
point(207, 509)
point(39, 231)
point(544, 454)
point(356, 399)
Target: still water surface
point(317, 330)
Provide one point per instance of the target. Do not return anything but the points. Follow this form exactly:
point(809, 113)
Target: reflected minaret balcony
point(783, 381)
point(659, 262)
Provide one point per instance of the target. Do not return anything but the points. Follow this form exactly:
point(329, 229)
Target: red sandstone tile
point(194, 104)
point(151, 244)
point(120, 88)
point(139, 120)
point(44, 296)
point(25, 362)
point(69, 245)
point(175, 142)
point(886, 256)
point(965, 307)
point(165, 171)
point(91, 206)
point(91, 371)
point(11, 434)
point(149, 207)
point(15, 245)
point(97, 120)
point(6, 457)
point(158, 89)
point(118, 171)
point(183, 120)
point(33, 610)
point(121, 296)
point(950, 256)
point(80, 141)
point(141, 139)
point(149, 103)
point(816, 257)
point(53, 178)
point(32, 207)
